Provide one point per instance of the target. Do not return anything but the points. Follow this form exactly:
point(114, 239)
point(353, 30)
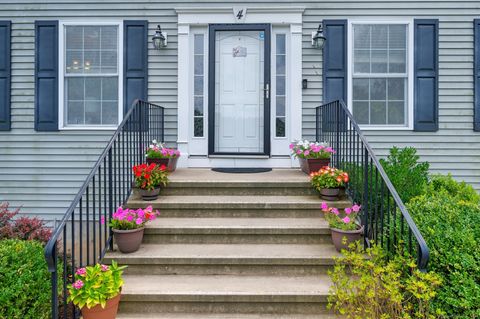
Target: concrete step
point(237, 206)
point(238, 230)
point(227, 259)
point(221, 316)
point(225, 294)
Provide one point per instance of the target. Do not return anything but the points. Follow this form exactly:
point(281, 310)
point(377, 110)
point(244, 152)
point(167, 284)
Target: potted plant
point(96, 290)
point(328, 181)
point(159, 154)
point(149, 178)
point(312, 156)
point(344, 227)
point(128, 226)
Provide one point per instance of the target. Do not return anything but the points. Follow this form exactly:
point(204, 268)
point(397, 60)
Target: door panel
point(239, 104)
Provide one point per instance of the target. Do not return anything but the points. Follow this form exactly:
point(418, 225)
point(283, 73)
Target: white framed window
point(381, 74)
point(199, 84)
point(90, 90)
point(280, 78)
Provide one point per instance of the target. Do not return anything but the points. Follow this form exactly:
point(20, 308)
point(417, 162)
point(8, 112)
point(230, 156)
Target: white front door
point(241, 101)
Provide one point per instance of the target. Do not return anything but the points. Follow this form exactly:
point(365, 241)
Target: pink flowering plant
point(158, 150)
point(128, 219)
point(346, 220)
point(94, 285)
point(309, 150)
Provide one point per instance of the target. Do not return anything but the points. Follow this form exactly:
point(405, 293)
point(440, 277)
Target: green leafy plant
point(328, 177)
point(448, 216)
point(94, 285)
point(407, 174)
point(344, 221)
point(367, 285)
point(25, 286)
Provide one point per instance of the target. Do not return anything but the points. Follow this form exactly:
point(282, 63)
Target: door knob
point(266, 90)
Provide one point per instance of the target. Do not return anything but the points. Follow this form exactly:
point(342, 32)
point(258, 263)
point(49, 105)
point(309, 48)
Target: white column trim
point(296, 84)
point(183, 92)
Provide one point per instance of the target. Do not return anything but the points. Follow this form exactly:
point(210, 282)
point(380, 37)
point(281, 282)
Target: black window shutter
point(335, 61)
point(46, 75)
point(476, 74)
point(5, 74)
point(135, 55)
point(426, 75)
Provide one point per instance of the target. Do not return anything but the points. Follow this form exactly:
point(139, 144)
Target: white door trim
point(290, 17)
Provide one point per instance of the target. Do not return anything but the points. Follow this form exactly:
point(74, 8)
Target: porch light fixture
point(318, 38)
point(159, 40)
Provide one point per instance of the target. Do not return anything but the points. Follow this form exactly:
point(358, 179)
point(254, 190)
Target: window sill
point(385, 128)
point(89, 128)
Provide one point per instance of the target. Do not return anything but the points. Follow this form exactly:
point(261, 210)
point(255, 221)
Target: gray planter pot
point(151, 194)
point(331, 194)
point(351, 236)
point(128, 241)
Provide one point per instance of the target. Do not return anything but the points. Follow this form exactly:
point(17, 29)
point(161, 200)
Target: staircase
point(230, 246)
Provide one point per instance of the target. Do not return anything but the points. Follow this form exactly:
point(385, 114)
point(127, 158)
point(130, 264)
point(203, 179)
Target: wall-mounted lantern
point(318, 38)
point(159, 39)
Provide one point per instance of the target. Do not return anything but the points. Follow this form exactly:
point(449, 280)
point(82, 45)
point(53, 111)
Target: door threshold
point(240, 156)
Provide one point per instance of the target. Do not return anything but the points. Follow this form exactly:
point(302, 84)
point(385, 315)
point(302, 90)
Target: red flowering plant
point(328, 177)
point(150, 176)
point(343, 221)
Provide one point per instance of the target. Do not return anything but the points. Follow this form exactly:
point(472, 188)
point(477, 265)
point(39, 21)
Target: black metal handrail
point(82, 237)
point(384, 215)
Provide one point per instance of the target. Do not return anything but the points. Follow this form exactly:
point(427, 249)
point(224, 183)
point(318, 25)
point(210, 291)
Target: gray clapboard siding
point(43, 171)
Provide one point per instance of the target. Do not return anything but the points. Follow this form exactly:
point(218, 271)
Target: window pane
point(91, 38)
point(361, 36)
point(75, 113)
point(93, 89)
point(93, 112)
point(74, 89)
point(396, 89)
point(281, 44)
point(360, 112)
point(110, 89)
point(198, 63)
point(398, 37)
point(280, 106)
point(74, 61)
point(378, 113)
point(198, 85)
point(280, 127)
point(280, 65)
point(198, 44)
point(280, 85)
point(379, 36)
point(74, 37)
point(397, 61)
point(109, 113)
point(198, 106)
point(109, 62)
point(361, 62)
point(360, 89)
point(378, 89)
point(109, 38)
point(198, 126)
point(379, 61)
point(396, 113)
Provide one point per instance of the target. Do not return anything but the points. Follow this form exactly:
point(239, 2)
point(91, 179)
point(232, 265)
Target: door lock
point(266, 90)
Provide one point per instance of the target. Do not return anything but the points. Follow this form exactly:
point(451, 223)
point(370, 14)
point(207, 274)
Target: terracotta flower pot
point(97, 312)
point(330, 193)
point(148, 195)
point(170, 163)
point(351, 235)
point(128, 241)
point(311, 165)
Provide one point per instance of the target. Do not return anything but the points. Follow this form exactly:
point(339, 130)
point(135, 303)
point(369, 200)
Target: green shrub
point(366, 285)
point(24, 280)
point(448, 216)
point(408, 176)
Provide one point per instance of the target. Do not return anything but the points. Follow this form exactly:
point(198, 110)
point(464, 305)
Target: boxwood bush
point(24, 280)
point(448, 216)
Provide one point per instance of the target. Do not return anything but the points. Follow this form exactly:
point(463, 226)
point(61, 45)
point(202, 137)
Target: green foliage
point(368, 286)
point(94, 285)
point(408, 176)
point(25, 288)
point(448, 216)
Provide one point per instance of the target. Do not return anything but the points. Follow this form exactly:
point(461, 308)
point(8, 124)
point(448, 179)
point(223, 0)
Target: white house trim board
point(191, 20)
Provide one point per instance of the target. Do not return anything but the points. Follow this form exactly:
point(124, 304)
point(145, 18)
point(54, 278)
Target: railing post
point(366, 194)
point(317, 124)
point(110, 198)
point(54, 281)
point(140, 129)
point(337, 137)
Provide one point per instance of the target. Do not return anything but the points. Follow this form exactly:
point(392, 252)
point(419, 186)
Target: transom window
point(380, 74)
point(91, 92)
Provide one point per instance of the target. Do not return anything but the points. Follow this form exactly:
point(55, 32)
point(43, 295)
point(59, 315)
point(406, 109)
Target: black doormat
point(241, 170)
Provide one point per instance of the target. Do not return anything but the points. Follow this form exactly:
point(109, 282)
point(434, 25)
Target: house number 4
point(239, 14)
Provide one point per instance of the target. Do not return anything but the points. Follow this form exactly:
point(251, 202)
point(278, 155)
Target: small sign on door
point(239, 52)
